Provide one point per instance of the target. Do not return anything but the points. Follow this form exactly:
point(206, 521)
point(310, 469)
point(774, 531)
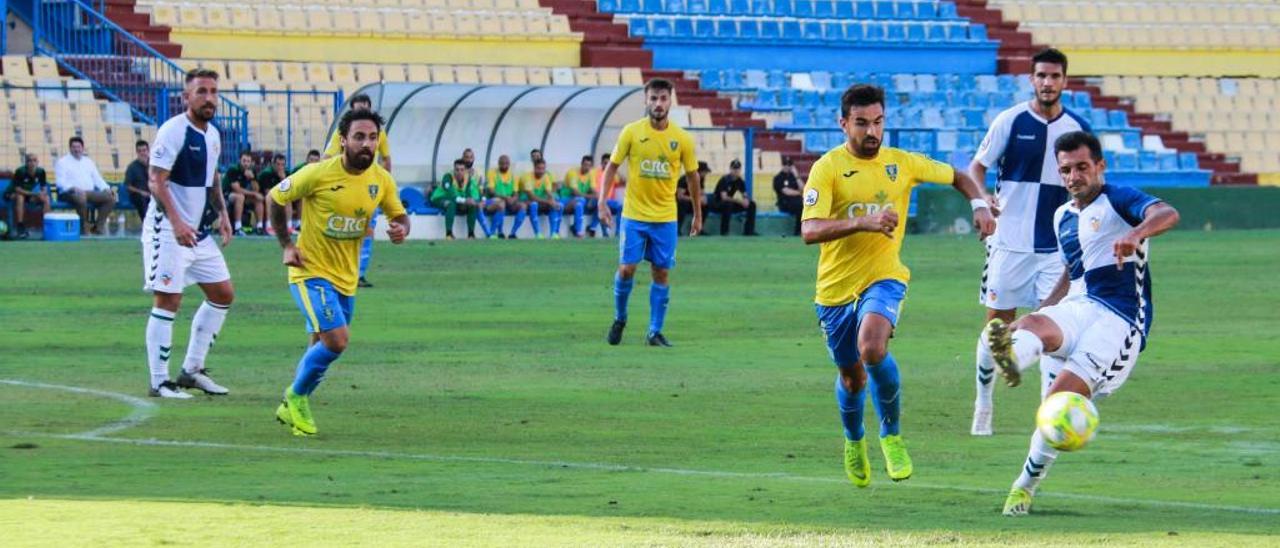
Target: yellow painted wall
point(210, 45)
point(1270, 179)
point(1175, 62)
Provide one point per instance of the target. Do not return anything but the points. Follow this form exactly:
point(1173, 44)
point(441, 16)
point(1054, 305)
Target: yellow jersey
point(502, 185)
point(540, 187)
point(843, 186)
point(654, 162)
point(335, 146)
point(336, 209)
point(583, 183)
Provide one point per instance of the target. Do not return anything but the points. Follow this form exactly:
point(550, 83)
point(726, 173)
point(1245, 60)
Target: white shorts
point(169, 268)
point(1098, 345)
point(1014, 279)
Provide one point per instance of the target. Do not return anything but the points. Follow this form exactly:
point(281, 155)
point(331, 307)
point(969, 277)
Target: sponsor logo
point(345, 228)
point(336, 188)
point(892, 171)
point(656, 169)
point(193, 148)
point(284, 185)
point(644, 139)
point(850, 173)
point(810, 196)
point(861, 209)
point(1026, 137)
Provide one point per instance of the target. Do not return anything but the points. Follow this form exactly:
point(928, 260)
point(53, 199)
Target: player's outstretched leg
point(1012, 350)
point(204, 333)
point(297, 404)
point(851, 400)
point(984, 385)
point(1039, 458)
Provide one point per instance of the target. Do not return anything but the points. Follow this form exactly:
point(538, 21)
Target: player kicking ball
point(339, 197)
point(851, 205)
point(1095, 333)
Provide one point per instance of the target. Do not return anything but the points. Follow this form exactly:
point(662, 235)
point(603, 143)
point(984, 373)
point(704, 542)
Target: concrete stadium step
point(125, 14)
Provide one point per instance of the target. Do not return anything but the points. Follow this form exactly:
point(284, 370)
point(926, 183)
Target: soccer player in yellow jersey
point(382, 155)
point(655, 150)
point(852, 201)
point(339, 197)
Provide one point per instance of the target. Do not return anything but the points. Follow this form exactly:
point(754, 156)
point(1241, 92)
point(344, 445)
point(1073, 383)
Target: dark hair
point(588, 158)
point(360, 98)
point(604, 157)
point(75, 139)
point(658, 84)
point(356, 115)
point(538, 150)
point(142, 143)
point(246, 152)
point(1071, 142)
point(201, 73)
point(278, 156)
point(787, 161)
point(313, 152)
point(539, 162)
point(459, 162)
point(1050, 55)
point(860, 95)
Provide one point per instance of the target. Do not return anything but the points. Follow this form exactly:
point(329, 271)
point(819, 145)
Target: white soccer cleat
point(981, 421)
point(200, 380)
point(168, 389)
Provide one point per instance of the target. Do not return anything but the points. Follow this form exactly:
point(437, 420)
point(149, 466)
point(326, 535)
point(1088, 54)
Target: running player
point(382, 155)
point(339, 197)
point(1022, 266)
point(177, 249)
point(1095, 333)
point(656, 150)
point(851, 206)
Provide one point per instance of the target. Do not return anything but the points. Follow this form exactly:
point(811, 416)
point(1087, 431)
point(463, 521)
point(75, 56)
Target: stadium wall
point(215, 45)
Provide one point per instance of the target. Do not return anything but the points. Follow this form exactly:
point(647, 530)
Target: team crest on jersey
point(373, 192)
point(892, 171)
point(674, 144)
point(166, 278)
point(1095, 223)
point(810, 196)
point(285, 184)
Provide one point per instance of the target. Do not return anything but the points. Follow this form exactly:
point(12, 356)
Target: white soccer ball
point(1067, 420)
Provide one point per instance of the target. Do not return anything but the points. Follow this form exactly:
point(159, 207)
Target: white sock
point(1036, 467)
point(1026, 348)
point(985, 375)
point(1049, 369)
point(238, 227)
point(159, 343)
point(204, 332)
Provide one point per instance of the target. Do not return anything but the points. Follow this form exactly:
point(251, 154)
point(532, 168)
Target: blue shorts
point(653, 242)
point(840, 323)
point(322, 306)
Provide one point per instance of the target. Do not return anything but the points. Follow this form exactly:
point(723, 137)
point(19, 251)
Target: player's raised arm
point(984, 212)
point(1157, 219)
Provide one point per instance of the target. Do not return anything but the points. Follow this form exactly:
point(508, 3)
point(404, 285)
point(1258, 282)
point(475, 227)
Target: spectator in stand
point(788, 188)
point(81, 185)
point(731, 197)
point(136, 179)
point(313, 156)
point(240, 186)
point(29, 188)
point(271, 176)
point(684, 202)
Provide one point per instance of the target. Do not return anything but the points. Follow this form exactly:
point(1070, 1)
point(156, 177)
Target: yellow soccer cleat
point(856, 464)
point(896, 460)
point(295, 411)
point(1018, 503)
point(1000, 340)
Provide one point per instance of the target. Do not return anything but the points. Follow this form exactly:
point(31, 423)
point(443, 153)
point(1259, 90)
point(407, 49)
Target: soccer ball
point(1067, 420)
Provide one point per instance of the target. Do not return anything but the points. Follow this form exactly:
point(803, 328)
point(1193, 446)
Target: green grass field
point(478, 404)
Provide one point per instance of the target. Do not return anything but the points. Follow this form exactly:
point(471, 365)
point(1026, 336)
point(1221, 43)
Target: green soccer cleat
point(856, 464)
point(1000, 340)
point(896, 460)
point(1018, 503)
point(295, 411)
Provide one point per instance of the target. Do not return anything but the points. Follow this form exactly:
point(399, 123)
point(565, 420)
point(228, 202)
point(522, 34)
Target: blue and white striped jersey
point(191, 157)
point(1086, 239)
point(1020, 143)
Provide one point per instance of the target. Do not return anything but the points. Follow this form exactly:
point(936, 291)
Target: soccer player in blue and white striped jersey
point(1021, 266)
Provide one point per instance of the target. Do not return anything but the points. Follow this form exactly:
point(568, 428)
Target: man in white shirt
point(81, 185)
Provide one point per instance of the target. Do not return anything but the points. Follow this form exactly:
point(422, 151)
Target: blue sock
point(621, 292)
point(495, 222)
point(311, 369)
point(885, 384)
point(533, 218)
point(851, 406)
point(577, 217)
point(520, 215)
point(555, 217)
point(659, 295)
point(483, 220)
point(366, 253)
point(595, 221)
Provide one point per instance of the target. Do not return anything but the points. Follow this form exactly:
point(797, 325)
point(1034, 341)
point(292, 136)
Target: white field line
point(143, 410)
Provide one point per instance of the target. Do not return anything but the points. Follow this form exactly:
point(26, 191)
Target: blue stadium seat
point(1118, 118)
point(1148, 160)
point(802, 117)
point(750, 28)
point(781, 8)
point(778, 79)
point(1084, 100)
point(651, 6)
point(895, 31)
point(873, 31)
point(929, 83)
point(915, 32)
point(791, 30)
point(740, 7)
point(704, 27)
point(1109, 156)
point(769, 28)
point(953, 117)
point(639, 26)
point(710, 79)
point(844, 9)
point(1132, 140)
point(726, 28)
point(732, 79)
point(935, 32)
point(825, 9)
point(965, 141)
point(717, 7)
point(413, 199)
point(1126, 161)
point(607, 6)
point(946, 141)
point(947, 10)
point(842, 80)
point(821, 78)
point(831, 99)
point(755, 79)
point(977, 33)
point(787, 98)
point(660, 26)
point(956, 32)
point(1188, 161)
point(812, 30)
point(853, 31)
point(802, 9)
point(1098, 119)
point(698, 7)
point(927, 10)
point(814, 141)
point(866, 9)
point(931, 117)
point(674, 6)
point(902, 10)
point(811, 99)
point(833, 31)
point(760, 7)
point(1167, 160)
point(629, 6)
point(683, 27)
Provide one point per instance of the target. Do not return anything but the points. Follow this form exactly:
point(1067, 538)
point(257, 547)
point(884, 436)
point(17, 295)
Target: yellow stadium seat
point(700, 117)
point(292, 72)
point(559, 25)
point(370, 22)
point(562, 76)
point(368, 73)
point(515, 76)
point(490, 27)
point(422, 23)
point(609, 76)
point(539, 76)
point(44, 67)
point(419, 73)
point(387, 4)
point(1012, 13)
point(466, 74)
point(191, 16)
point(1267, 87)
point(266, 71)
point(164, 15)
point(537, 28)
point(465, 24)
point(395, 23)
point(505, 5)
point(442, 74)
point(586, 76)
point(240, 71)
point(631, 76)
point(345, 23)
point(1109, 13)
point(318, 72)
point(492, 76)
point(217, 17)
point(242, 18)
point(513, 25)
point(269, 19)
point(318, 21)
point(343, 73)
